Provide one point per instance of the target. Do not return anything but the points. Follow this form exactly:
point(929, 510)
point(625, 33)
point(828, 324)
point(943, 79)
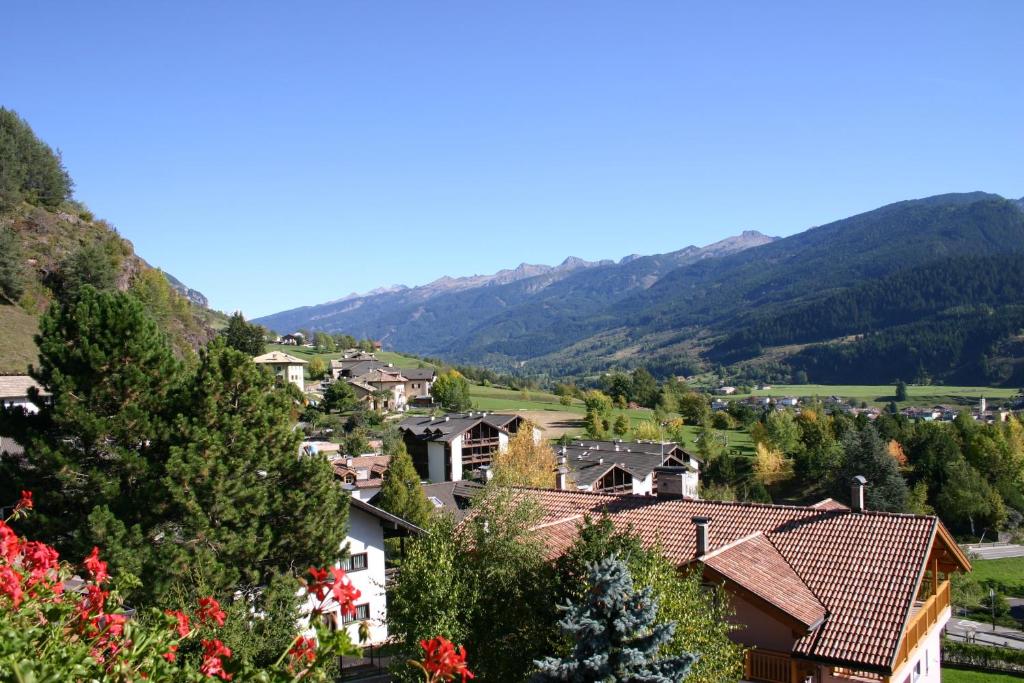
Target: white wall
point(502, 441)
point(21, 402)
point(456, 473)
point(643, 486)
point(435, 461)
point(366, 493)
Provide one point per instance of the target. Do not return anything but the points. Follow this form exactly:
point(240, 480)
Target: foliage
point(485, 584)
point(29, 169)
point(96, 264)
point(770, 466)
point(245, 337)
point(866, 454)
point(401, 493)
point(451, 390)
point(317, 368)
point(615, 633)
point(525, 462)
point(340, 396)
point(647, 430)
point(52, 635)
point(187, 475)
point(12, 266)
point(983, 656)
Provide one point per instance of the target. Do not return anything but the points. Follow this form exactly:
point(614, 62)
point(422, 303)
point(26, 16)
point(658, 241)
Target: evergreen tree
point(95, 445)
point(401, 493)
point(901, 390)
point(12, 267)
point(616, 637)
point(865, 453)
point(29, 168)
point(244, 336)
point(97, 265)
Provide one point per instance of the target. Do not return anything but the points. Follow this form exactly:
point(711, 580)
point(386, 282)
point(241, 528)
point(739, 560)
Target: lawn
point(963, 676)
point(1007, 572)
point(882, 394)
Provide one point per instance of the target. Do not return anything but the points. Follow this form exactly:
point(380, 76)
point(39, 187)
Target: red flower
point(95, 599)
point(97, 567)
point(209, 609)
point(10, 546)
point(212, 665)
point(170, 655)
point(10, 585)
point(25, 502)
point(39, 559)
point(443, 661)
point(304, 648)
point(319, 586)
point(344, 592)
point(182, 627)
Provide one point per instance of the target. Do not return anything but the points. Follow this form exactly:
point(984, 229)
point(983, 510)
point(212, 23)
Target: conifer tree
point(616, 638)
point(95, 444)
point(244, 336)
point(401, 493)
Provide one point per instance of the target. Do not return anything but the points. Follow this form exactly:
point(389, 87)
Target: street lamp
point(992, 603)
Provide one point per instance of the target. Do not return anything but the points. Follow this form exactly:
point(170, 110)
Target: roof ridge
point(733, 544)
point(563, 520)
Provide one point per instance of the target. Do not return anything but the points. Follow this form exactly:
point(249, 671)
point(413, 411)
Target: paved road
point(995, 551)
point(977, 632)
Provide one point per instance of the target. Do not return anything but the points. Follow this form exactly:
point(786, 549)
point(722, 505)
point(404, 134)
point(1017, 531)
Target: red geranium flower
point(344, 592)
point(212, 665)
point(209, 609)
point(39, 559)
point(10, 545)
point(25, 502)
point(319, 586)
point(304, 648)
point(96, 566)
point(443, 661)
point(182, 627)
point(10, 585)
point(170, 655)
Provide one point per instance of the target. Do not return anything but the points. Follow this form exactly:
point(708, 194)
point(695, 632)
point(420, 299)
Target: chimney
point(561, 473)
point(670, 481)
point(702, 525)
point(348, 461)
point(857, 493)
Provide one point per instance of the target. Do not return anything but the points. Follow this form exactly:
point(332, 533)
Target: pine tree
point(12, 267)
point(95, 445)
point(245, 337)
point(401, 493)
point(615, 635)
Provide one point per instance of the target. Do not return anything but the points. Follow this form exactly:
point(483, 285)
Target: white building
point(368, 527)
point(285, 367)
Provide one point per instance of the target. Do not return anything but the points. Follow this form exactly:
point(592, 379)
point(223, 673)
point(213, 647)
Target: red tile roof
point(862, 567)
point(755, 566)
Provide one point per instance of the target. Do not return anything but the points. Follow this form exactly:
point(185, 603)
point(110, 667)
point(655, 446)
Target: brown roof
point(17, 386)
point(753, 565)
point(862, 567)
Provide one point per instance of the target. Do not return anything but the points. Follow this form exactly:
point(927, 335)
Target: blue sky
point(276, 154)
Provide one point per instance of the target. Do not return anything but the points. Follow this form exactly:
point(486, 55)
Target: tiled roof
point(829, 504)
point(418, 373)
point(863, 567)
point(9, 446)
point(279, 357)
point(17, 386)
point(754, 565)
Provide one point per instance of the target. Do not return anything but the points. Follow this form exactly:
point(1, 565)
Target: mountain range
point(924, 289)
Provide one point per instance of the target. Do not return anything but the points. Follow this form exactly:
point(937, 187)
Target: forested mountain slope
point(919, 289)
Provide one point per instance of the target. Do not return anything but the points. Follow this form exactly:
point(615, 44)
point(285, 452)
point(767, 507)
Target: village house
point(822, 594)
point(368, 527)
point(618, 467)
point(14, 392)
point(447, 447)
point(285, 367)
point(726, 391)
point(419, 381)
point(382, 389)
point(363, 475)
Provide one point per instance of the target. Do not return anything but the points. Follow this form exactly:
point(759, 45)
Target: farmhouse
point(285, 367)
point(825, 593)
point(362, 476)
point(443, 448)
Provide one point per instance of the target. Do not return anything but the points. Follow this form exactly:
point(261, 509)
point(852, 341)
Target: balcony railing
point(925, 616)
point(766, 666)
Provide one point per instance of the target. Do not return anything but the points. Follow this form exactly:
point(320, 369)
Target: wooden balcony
point(766, 666)
point(923, 617)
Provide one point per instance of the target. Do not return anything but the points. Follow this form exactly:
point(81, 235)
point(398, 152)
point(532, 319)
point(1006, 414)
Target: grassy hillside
point(17, 350)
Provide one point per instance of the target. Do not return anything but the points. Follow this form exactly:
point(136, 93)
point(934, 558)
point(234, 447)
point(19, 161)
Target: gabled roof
point(448, 427)
point(418, 373)
point(863, 567)
point(17, 386)
point(754, 567)
point(648, 447)
point(584, 464)
point(384, 516)
point(279, 357)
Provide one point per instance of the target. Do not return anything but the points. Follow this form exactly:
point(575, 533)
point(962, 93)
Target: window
point(355, 563)
point(916, 676)
point(362, 614)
